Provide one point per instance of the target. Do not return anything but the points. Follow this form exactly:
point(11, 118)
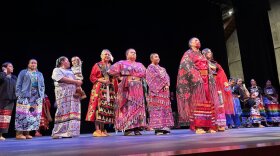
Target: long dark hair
point(59, 61)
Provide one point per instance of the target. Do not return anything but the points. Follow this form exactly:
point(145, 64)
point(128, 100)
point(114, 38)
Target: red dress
point(223, 87)
point(102, 98)
point(46, 116)
point(197, 95)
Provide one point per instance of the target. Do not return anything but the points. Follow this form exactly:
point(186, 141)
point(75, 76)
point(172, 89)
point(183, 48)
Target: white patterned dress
point(68, 113)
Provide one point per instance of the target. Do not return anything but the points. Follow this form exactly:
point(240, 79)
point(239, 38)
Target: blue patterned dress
point(28, 110)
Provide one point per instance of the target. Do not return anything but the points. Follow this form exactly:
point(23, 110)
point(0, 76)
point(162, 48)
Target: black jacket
point(7, 87)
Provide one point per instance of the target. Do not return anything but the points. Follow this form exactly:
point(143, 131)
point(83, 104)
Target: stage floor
point(181, 141)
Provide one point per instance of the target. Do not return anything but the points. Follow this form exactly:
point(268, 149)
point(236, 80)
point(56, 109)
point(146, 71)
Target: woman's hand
point(79, 82)
point(4, 69)
point(105, 81)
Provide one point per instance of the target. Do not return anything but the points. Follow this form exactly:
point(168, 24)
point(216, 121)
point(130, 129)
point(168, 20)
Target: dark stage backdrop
point(46, 30)
point(255, 41)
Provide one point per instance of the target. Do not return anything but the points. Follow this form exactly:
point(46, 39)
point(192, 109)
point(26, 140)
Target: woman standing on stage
point(159, 104)
point(102, 99)
point(243, 94)
point(271, 103)
point(223, 88)
point(235, 119)
point(131, 112)
point(197, 95)
point(7, 96)
point(68, 113)
point(254, 89)
point(30, 91)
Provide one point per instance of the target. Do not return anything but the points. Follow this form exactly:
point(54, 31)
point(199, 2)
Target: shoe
point(38, 134)
point(166, 132)
point(200, 131)
point(211, 131)
point(20, 137)
point(55, 137)
point(137, 132)
point(105, 133)
point(26, 134)
point(149, 129)
point(158, 132)
point(127, 133)
point(2, 138)
point(237, 127)
point(261, 126)
point(97, 133)
point(221, 129)
point(267, 125)
point(242, 126)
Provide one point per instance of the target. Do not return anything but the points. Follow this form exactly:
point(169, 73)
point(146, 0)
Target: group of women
point(125, 94)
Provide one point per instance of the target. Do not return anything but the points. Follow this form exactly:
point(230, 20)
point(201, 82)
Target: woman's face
point(268, 83)
point(232, 82)
point(155, 59)
point(253, 82)
point(195, 43)
point(131, 55)
point(32, 64)
point(239, 81)
point(65, 63)
point(209, 55)
point(106, 56)
point(10, 68)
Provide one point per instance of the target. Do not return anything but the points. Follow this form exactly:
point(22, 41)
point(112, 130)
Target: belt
point(105, 78)
point(203, 72)
point(133, 78)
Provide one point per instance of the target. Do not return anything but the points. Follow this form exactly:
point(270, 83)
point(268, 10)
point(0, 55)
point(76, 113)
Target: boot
point(26, 134)
point(20, 136)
